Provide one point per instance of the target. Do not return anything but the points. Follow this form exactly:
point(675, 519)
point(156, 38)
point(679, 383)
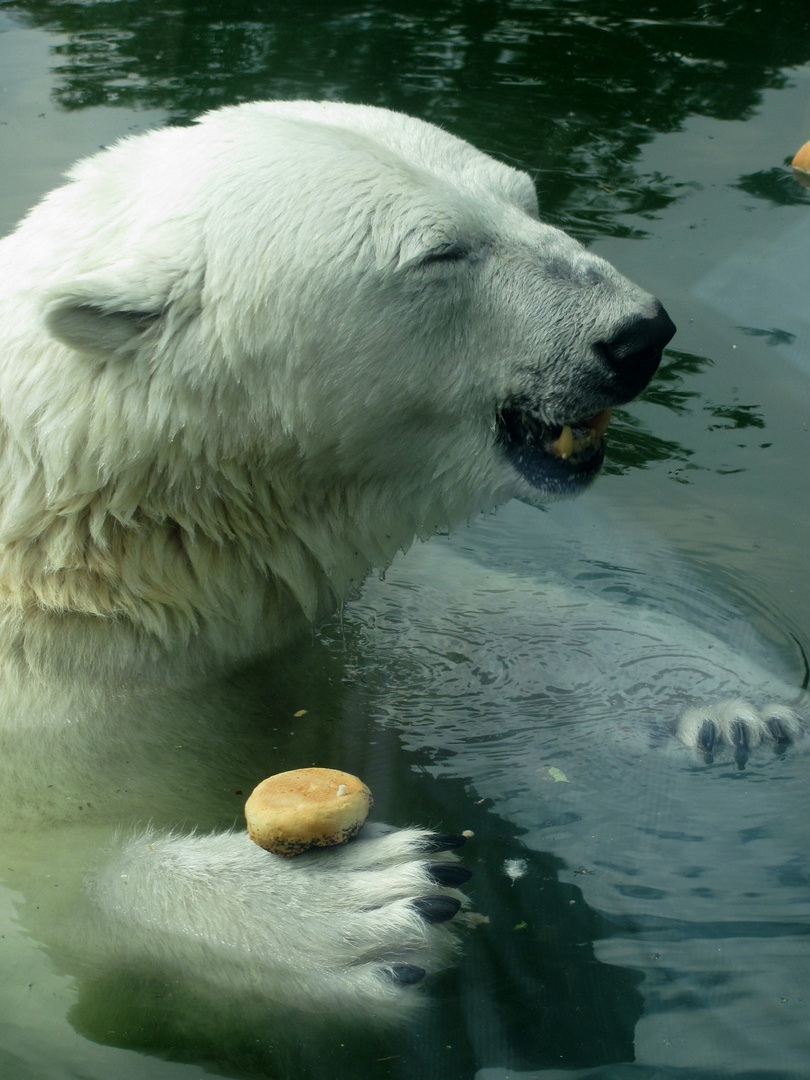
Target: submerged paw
point(401, 889)
point(740, 726)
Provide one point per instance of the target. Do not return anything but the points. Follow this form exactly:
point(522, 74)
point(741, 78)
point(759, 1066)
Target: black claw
point(451, 875)
point(443, 842)
point(739, 738)
point(406, 974)
point(778, 733)
point(739, 735)
point(437, 909)
point(706, 737)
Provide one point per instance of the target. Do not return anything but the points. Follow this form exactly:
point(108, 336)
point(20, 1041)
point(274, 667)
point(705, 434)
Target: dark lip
point(527, 441)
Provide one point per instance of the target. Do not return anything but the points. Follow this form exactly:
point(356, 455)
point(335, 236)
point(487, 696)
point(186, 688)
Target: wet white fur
point(230, 384)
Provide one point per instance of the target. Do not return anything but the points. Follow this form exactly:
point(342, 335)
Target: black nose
point(634, 351)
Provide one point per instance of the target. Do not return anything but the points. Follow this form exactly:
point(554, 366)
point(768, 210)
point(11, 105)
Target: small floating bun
point(801, 165)
point(293, 811)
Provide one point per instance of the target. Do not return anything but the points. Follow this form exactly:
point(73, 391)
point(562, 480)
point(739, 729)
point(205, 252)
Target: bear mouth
point(557, 457)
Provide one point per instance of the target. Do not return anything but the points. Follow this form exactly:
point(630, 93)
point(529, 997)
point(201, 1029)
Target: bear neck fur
point(223, 568)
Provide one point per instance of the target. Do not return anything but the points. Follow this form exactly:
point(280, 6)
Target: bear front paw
point(347, 930)
point(739, 725)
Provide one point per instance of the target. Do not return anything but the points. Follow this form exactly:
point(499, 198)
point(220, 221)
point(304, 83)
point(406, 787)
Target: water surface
point(661, 925)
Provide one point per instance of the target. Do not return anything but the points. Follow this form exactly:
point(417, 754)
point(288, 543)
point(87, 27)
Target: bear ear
point(97, 329)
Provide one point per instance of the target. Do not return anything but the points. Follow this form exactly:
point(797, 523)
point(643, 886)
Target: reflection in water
point(631, 443)
point(590, 84)
point(777, 186)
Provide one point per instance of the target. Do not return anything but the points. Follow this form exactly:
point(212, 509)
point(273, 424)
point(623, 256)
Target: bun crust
point(293, 811)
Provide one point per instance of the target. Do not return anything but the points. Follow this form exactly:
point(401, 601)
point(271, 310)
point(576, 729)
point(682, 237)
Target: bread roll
point(293, 811)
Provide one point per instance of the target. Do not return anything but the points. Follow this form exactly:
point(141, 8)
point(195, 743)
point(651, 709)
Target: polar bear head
point(299, 333)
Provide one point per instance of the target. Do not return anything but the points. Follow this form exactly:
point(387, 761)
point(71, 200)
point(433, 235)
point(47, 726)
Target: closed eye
point(449, 253)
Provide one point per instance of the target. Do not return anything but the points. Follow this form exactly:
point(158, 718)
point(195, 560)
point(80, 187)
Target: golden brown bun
point(801, 165)
point(293, 811)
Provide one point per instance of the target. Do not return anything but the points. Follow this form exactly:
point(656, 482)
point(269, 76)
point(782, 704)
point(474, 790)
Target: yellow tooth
point(564, 444)
point(599, 422)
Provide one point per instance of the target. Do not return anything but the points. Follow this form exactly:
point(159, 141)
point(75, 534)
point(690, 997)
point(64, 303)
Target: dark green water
point(662, 927)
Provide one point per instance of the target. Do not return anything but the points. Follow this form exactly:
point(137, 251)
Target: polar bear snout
point(634, 351)
point(553, 437)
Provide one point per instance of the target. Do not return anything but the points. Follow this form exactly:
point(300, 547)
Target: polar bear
point(243, 362)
